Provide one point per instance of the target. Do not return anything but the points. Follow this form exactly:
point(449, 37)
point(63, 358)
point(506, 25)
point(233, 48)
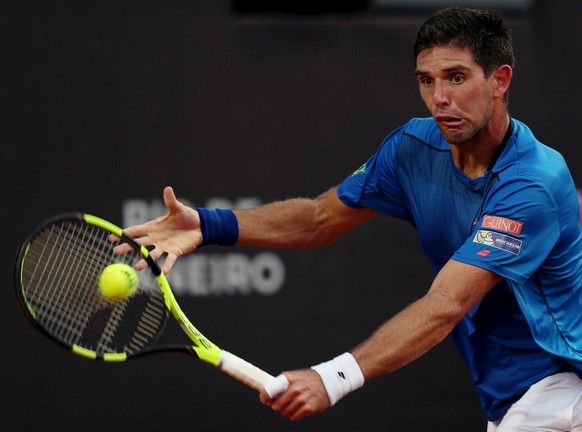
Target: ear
point(500, 79)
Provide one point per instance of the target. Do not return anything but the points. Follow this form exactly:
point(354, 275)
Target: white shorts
point(554, 404)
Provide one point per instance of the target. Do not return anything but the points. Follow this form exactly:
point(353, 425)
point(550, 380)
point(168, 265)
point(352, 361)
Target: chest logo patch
point(498, 241)
point(502, 224)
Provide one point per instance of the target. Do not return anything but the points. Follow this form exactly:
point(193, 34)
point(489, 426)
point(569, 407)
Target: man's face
point(456, 92)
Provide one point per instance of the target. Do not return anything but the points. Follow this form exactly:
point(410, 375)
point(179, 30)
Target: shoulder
point(427, 131)
point(423, 130)
point(531, 174)
point(526, 153)
point(525, 158)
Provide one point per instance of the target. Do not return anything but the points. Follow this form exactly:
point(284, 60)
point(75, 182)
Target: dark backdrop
point(105, 103)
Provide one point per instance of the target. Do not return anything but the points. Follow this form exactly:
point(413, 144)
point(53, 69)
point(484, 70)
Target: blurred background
point(237, 103)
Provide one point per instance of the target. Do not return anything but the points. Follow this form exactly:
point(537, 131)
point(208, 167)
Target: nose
point(440, 96)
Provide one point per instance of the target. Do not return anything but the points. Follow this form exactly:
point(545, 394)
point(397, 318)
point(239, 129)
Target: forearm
point(406, 336)
point(298, 222)
point(290, 223)
point(399, 341)
point(455, 291)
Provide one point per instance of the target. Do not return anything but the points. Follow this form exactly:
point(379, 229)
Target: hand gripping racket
point(56, 279)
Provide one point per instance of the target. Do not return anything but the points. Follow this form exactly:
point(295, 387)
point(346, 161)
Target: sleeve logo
point(360, 170)
point(498, 241)
point(502, 224)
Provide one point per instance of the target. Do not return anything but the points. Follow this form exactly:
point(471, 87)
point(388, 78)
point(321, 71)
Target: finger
point(169, 263)
point(124, 247)
point(300, 413)
point(140, 265)
point(290, 407)
point(302, 399)
point(287, 402)
point(136, 230)
point(273, 389)
point(277, 386)
point(156, 253)
point(170, 199)
point(298, 407)
point(265, 399)
point(121, 249)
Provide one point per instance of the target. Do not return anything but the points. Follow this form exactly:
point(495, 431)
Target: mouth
point(449, 121)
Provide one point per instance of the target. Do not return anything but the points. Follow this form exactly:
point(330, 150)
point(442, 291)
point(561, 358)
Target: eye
point(426, 81)
point(457, 79)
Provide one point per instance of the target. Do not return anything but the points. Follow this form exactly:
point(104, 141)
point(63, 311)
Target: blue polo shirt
point(520, 220)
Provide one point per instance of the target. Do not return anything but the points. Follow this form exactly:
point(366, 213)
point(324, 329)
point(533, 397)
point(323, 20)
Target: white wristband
point(340, 376)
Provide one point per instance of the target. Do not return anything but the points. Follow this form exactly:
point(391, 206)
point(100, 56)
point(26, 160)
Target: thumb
point(170, 200)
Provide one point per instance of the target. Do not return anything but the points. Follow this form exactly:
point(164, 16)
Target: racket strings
point(68, 267)
point(147, 326)
point(59, 282)
point(107, 336)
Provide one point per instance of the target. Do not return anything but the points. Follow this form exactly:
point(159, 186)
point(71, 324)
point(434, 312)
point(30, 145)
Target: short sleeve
point(375, 183)
point(516, 231)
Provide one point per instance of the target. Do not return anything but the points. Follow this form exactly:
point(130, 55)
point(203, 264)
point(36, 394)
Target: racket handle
point(246, 372)
point(277, 386)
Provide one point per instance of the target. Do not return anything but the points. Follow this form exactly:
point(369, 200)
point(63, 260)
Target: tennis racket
point(56, 279)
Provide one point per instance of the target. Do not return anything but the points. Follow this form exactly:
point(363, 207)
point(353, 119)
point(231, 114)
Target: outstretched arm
point(409, 334)
point(294, 223)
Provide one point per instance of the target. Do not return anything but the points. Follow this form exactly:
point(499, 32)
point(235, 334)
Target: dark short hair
point(482, 31)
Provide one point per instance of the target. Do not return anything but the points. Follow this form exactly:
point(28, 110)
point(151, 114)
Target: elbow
point(325, 237)
point(320, 239)
point(447, 311)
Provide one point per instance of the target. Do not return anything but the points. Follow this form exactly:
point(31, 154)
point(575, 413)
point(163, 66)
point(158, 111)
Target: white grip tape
point(277, 386)
point(340, 376)
point(244, 371)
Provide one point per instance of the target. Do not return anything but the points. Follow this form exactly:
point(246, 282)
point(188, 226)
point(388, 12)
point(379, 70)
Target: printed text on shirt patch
point(499, 241)
point(501, 224)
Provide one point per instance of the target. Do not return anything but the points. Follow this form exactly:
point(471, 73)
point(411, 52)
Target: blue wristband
point(218, 226)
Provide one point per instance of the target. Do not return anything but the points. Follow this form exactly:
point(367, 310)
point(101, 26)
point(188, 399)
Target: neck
point(473, 157)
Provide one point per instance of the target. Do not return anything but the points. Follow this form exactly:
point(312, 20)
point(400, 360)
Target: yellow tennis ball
point(118, 281)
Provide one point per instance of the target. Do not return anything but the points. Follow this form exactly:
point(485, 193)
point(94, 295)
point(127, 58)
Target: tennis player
point(497, 214)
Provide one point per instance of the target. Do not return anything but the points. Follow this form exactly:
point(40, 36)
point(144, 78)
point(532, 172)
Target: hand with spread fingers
point(175, 234)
